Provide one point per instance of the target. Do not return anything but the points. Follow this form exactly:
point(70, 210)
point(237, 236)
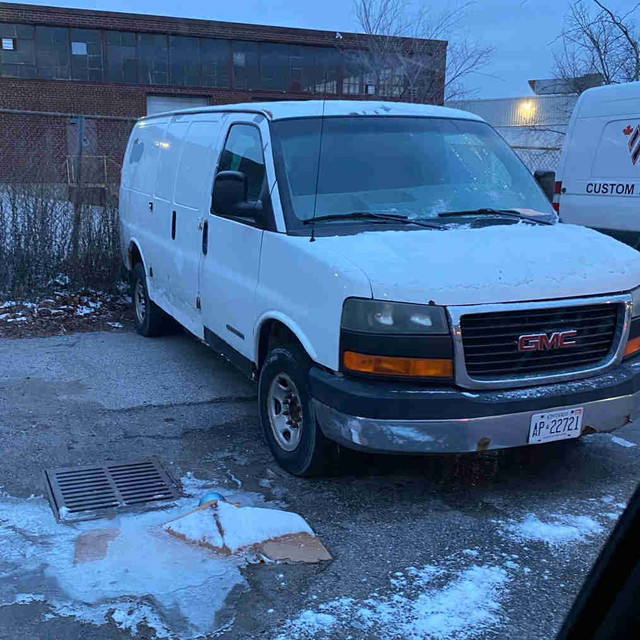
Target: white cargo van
point(598, 177)
point(391, 274)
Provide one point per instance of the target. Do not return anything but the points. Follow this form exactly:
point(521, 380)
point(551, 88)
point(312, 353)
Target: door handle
point(151, 206)
point(205, 237)
point(173, 226)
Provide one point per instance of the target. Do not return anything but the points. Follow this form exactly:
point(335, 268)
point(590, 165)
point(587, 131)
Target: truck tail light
point(556, 196)
point(393, 366)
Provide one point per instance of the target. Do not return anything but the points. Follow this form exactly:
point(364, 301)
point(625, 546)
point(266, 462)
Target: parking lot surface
point(477, 546)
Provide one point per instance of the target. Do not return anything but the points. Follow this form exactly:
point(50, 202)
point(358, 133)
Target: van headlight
point(378, 316)
point(396, 339)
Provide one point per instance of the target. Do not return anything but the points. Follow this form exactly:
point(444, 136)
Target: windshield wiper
point(369, 215)
point(506, 213)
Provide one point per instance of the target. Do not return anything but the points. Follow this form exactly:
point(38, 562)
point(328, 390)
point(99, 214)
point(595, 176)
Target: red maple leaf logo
point(628, 130)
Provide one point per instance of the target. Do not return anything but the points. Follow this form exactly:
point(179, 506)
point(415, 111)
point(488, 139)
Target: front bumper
point(405, 418)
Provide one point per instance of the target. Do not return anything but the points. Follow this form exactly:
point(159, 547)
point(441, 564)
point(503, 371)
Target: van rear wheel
point(286, 415)
point(149, 318)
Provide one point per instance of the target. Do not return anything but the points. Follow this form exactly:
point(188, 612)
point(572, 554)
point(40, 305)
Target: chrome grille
point(490, 340)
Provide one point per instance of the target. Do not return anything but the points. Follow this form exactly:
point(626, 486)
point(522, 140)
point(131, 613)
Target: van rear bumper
point(394, 417)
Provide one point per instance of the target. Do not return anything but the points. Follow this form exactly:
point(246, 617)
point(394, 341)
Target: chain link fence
point(59, 181)
point(539, 158)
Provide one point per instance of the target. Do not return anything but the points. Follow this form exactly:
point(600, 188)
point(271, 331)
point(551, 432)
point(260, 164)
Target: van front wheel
point(149, 318)
point(286, 415)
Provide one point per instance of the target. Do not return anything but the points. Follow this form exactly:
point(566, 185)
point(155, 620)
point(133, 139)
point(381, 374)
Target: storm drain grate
point(83, 493)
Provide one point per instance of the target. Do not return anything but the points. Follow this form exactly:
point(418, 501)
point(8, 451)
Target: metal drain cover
point(95, 491)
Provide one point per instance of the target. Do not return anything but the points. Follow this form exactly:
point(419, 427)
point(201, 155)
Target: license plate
point(555, 425)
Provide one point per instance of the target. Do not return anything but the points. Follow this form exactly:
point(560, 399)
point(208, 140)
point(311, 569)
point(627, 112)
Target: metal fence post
point(77, 200)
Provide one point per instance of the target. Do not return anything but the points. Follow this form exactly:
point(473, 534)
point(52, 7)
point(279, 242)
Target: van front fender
point(290, 324)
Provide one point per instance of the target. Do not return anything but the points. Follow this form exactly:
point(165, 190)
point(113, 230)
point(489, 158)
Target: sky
point(522, 31)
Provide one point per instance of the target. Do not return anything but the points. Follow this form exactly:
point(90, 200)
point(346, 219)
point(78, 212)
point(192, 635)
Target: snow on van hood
point(492, 264)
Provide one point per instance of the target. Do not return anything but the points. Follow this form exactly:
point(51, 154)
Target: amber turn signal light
point(392, 366)
point(633, 346)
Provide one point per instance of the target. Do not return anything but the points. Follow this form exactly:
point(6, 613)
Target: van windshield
point(413, 166)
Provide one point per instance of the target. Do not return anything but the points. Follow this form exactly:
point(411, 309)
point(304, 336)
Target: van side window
point(243, 152)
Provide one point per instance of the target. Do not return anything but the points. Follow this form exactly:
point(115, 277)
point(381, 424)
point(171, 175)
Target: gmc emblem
point(544, 342)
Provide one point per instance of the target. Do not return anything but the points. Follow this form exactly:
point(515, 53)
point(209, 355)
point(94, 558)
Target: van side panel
point(191, 204)
point(600, 164)
point(138, 179)
point(170, 151)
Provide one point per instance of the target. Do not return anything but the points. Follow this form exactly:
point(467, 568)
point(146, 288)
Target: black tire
point(313, 451)
point(149, 318)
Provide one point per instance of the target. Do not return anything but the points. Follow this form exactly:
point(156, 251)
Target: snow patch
point(245, 527)
point(147, 577)
point(557, 530)
point(467, 606)
point(622, 442)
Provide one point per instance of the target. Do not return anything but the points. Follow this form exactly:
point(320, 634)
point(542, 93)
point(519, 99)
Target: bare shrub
point(36, 248)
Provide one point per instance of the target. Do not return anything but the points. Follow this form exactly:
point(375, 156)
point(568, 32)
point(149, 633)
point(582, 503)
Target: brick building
point(117, 65)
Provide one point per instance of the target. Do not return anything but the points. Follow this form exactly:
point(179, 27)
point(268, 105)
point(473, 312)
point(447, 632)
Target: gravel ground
point(494, 546)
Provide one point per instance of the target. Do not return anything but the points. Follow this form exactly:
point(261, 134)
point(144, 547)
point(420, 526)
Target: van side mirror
point(229, 192)
point(547, 182)
point(230, 198)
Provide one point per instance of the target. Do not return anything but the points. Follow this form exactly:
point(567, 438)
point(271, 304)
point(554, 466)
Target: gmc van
point(391, 274)
point(598, 177)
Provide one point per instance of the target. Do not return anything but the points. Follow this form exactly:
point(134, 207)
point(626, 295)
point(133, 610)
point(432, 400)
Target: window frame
point(14, 43)
point(268, 209)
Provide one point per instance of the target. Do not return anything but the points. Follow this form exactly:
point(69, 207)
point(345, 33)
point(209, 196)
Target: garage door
point(160, 104)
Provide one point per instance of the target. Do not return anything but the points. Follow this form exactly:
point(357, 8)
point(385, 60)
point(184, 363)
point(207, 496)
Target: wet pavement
point(512, 534)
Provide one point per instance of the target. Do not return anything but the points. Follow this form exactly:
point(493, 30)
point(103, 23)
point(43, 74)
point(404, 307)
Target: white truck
point(391, 274)
point(598, 176)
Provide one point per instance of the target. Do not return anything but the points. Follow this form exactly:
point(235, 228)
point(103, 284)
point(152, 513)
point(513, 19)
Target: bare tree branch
point(403, 49)
point(595, 40)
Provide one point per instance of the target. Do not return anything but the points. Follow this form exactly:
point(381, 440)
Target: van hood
point(493, 264)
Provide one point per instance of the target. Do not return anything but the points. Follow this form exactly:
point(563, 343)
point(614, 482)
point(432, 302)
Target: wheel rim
point(140, 301)
point(285, 412)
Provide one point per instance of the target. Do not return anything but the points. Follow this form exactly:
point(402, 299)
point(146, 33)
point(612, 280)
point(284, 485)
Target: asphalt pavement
point(535, 517)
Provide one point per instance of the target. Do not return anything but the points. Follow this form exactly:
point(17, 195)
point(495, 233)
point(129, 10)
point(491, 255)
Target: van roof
point(310, 108)
point(610, 100)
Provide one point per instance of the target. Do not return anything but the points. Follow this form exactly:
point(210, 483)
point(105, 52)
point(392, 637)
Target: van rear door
point(141, 164)
point(164, 270)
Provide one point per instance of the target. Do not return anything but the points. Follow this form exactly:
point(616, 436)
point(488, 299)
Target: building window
point(246, 65)
point(328, 70)
point(79, 48)
point(86, 54)
point(153, 61)
point(302, 63)
point(121, 57)
point(185, 61)
point(17, 51)
point(274, 66)
point(215, 59)
point(52, 52)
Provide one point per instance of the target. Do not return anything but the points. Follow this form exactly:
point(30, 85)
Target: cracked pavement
point(93, 397)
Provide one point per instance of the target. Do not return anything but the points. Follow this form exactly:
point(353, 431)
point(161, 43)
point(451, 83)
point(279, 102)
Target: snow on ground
point(468, 605)
point(622, 442)
point(147, 577)
point(554, 530)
